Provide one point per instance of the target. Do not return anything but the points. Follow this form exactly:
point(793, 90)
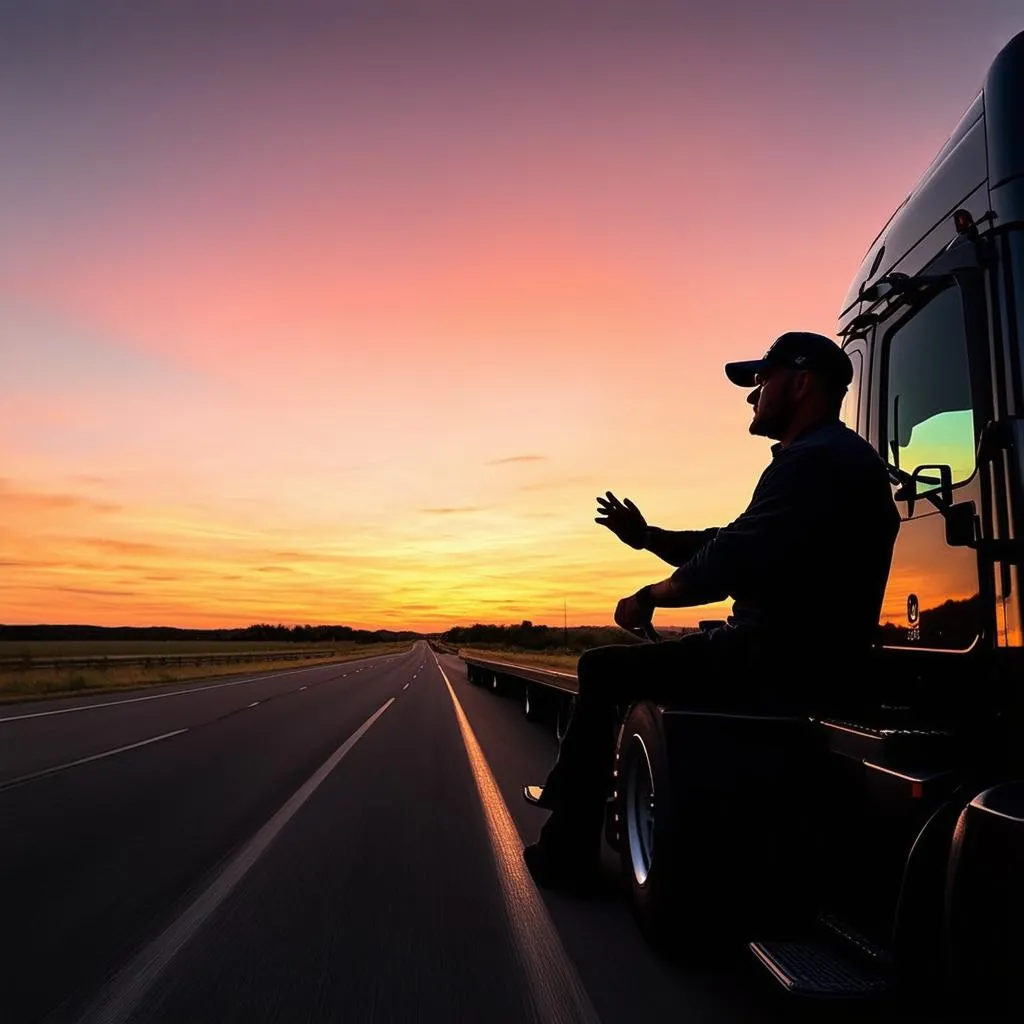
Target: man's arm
point(769, 536)
point(676, 547)
point(627, 522)
point(762, 541)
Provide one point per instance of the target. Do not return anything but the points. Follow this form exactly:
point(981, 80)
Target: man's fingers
point(630, 505)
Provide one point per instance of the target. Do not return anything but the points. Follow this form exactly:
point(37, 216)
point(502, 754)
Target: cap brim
point(743, 374)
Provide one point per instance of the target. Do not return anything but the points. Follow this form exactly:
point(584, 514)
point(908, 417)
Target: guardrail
point(135, 660)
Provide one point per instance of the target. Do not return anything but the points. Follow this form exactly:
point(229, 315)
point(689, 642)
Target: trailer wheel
point(532, 704)
point(669, 895)
point(563, 715)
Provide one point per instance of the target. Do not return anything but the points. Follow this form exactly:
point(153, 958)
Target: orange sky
point(329, 321)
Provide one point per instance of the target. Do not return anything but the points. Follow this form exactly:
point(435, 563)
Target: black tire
point(563, 713)
point(533, 703)
point(664, 868)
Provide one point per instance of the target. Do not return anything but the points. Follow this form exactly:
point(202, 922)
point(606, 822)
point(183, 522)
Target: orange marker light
point(963, 222)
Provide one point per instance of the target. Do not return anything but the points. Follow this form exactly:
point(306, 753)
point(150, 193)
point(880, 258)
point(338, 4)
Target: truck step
point(814, 969)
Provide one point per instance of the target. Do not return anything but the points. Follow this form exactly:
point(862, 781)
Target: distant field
point(101, 648)
point(24, 682)
point(543, 659)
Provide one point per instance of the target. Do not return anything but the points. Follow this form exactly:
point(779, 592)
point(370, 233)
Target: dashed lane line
point(174, 693)
point(43, 773)
point(123, 994)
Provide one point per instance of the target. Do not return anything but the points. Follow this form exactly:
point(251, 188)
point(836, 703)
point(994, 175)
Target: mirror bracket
point(943, 497)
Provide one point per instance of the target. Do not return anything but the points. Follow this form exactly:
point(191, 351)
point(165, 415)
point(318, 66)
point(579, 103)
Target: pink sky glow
point(328, 319)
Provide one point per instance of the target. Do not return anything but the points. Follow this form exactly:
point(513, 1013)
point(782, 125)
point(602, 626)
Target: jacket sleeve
point(762, 540)
point(677, 547)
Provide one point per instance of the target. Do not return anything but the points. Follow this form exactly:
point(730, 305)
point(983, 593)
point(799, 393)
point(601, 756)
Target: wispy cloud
point(48, 501)
point(454, 511)
point(124, 547)
point(91, 592)
point(517, 458)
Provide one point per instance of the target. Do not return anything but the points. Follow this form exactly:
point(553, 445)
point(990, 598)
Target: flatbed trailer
point(545, 694)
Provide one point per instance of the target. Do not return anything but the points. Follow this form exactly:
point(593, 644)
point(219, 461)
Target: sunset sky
point(345, 313)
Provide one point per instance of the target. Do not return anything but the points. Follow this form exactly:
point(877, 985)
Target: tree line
point(535, 638)
point(259, 632)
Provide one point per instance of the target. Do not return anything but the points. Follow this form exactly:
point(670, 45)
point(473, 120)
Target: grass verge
point(27, 683)
point(542, 659)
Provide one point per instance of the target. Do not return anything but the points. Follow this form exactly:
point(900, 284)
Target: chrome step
point(814, 969)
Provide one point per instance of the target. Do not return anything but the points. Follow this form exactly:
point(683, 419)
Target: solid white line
point(85, 760)
point(128, 988)
point(175, 693)
point(556, 990)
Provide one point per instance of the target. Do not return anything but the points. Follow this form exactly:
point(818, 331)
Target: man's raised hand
point(623, 518)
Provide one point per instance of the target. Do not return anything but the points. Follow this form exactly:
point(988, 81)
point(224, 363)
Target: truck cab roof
point(980, 169)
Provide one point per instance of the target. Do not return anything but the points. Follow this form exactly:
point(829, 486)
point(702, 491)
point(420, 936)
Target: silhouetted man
point(806, 566)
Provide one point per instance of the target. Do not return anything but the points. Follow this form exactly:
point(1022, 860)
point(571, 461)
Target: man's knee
point(597, 667)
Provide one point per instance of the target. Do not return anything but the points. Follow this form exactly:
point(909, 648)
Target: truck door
point(928, 420)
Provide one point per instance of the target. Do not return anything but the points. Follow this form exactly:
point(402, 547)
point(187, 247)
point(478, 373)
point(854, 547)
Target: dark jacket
point(810, 556)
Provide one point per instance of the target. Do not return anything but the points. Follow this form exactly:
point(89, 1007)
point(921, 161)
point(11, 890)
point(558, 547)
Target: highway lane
point(92, 856)
point(41, 735)
point(386, 894)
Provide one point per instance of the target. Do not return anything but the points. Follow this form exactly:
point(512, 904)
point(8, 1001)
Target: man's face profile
point(773, 402)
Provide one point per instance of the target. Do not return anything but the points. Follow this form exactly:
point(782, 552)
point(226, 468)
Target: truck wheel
point(668, 897)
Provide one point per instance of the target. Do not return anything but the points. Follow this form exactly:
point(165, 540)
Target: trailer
point(877, 848)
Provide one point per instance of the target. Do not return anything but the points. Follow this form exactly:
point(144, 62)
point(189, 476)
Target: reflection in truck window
point(848, 412)
point(929, 407)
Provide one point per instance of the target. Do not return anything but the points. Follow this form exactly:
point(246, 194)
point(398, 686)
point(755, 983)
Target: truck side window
point(929, 411)
point(848, 412)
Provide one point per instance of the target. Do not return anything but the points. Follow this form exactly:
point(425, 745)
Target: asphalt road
point(333, 843)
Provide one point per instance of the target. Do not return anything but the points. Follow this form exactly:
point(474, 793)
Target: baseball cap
point(797, 350)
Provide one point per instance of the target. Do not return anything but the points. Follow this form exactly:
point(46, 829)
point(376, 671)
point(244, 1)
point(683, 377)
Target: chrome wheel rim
point(640, 811)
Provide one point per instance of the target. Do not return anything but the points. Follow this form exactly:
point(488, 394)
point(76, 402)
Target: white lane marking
point(301, 688)
point(175, 693)
point(85, 760)
point(556, 990)
point(156, 696)
point(406, 687)
point(122, 995)
point(253, 704)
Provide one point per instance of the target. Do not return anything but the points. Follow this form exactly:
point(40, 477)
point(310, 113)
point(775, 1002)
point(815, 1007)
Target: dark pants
point(716, 670)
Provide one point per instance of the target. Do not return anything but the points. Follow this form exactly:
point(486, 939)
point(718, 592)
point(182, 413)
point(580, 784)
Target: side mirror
point(961, 531)
point(942, 494)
